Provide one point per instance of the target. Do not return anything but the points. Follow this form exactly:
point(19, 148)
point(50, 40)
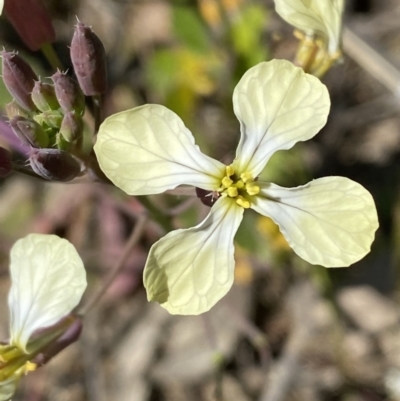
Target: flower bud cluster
point(48, 116)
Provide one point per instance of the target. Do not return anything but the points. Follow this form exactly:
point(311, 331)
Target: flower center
point(14, 361)
point(241, 188)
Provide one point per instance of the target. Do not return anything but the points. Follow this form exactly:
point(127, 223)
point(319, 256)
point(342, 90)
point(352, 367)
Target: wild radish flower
point(321, 22)
point(330, 221)
point(48, 280)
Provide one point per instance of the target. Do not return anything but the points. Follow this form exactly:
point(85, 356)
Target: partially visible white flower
point(330, 221)
point(48, 280)
point(1, 6)
point(315, 17)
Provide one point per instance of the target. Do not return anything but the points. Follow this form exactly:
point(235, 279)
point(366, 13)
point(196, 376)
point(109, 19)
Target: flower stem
point(51, 56)
point(132, 241)
point(97, 103)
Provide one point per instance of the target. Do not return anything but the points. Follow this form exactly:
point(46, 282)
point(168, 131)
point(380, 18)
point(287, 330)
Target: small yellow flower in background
point(330, 221)
point(48, 281)
point(321, 24)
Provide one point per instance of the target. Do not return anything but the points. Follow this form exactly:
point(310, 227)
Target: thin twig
point(281, 377)
point(257, 338)
point(372, 60)
point(182, 207)
point(219, 358)
point(132, 241)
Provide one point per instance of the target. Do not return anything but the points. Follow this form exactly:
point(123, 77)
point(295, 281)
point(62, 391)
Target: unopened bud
point(71, 127)
point(32, 22)
point(14, 109)
point(52, 118)
point(68, 93)
point(19, 79)
point(44, 96)
point(6, 166)
point(29, 131)
point(89, 59)
point(68, 337)
point(54, 164)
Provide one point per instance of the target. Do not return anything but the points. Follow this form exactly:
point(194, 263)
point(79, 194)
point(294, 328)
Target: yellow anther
point(232, 192)
point(226, 182)
point(252, 188)
point(242, 202)
point(229, 171)
point(246, 177)
point(30, 366)
point(239, 184)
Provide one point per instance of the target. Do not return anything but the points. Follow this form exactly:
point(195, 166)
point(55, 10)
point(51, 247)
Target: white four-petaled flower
point(147, 150)
point(48, 280)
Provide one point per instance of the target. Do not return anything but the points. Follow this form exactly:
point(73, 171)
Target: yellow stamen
point(246, 177)
point(242, 202)
point(239, 184)
point(229, 171)
point(30, 366)
point(252, 188)
point(226, 182)
point(232, 192)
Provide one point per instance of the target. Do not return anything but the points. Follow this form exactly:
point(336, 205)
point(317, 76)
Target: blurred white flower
point(48, 280)
point(330, 221)
point(321, 23)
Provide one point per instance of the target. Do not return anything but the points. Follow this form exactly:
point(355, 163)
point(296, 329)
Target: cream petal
point(148, 150)
point(8, 387)
point(277, 105)
point(1, 6)
point(189, 270)
point(48, 280)
point(330, 221)
point(323, 17)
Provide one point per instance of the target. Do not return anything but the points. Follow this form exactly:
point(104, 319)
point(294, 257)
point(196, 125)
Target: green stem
point(51, 56)
point(97, 101)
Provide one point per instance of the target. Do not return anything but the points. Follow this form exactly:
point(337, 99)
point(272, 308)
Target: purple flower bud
point(68, 93)
point(44, 96)
point(71, 127)
point(54, 164)
point(89, 59)
point(6, 166)
point(19, 79)
point(70, 335)
point(32, 22)
point(29, 131)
